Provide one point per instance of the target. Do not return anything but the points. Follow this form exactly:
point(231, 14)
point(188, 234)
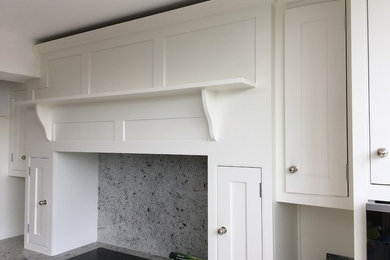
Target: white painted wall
point(75, 200)
point(286, 231)
point(325, 230)
point(11, 188)
point(17, 58)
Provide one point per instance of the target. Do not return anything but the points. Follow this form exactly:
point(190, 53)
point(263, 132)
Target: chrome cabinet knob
point(42, 202)
point(222, 231)
point(293, 169)
point(23, 157)
point(382, 152)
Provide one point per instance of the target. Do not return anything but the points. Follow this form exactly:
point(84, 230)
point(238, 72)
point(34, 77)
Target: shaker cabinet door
point(239, 213)
point(38, 203)
point(315, 100)
point(379, 85)
point(18, 158)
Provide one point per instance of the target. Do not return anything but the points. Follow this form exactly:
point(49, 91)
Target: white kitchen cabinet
point(17, 158)
point(38, 205)
point(226, 50)
point(239, 213)
point(61, 202)
point(315, 100)
point(379, 86)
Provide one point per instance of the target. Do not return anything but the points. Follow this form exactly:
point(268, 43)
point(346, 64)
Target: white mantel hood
point(183, 113)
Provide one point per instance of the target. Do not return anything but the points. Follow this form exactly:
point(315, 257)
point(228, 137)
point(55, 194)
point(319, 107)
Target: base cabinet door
point(379, 85)
point(239, 213)
point(38, 204)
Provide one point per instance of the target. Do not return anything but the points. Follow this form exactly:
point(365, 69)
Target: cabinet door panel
point(122, 68)
point(220, 52)
point(379, 56)
point(39, 183)
point(315, 99)
point(17, 147)
point(63, 77)
point(239, 211)
point(4, 139)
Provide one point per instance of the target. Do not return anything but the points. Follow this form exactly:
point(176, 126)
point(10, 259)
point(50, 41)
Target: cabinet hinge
point(260, 190)
point(28, 228)
point(347, 172)
point(12, 157)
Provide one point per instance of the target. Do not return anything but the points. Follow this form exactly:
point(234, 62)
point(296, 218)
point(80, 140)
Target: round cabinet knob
point(382, 152)
point(23, 157)
point(293, 169)
point(222, 231)
point(42, 202)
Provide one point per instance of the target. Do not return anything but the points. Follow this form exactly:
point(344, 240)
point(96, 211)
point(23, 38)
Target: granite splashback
point(153, 203)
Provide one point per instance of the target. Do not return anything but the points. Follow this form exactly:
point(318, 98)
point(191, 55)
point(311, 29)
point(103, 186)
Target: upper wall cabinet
point(379, 85)
point(216, 48)
point(18, 158)
point(315, 100)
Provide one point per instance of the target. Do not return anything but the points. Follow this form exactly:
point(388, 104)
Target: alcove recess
point(208, 91)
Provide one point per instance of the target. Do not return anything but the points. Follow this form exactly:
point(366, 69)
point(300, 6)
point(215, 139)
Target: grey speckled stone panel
point(153, 203)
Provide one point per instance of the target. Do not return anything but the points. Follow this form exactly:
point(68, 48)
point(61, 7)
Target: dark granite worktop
point(12, 249)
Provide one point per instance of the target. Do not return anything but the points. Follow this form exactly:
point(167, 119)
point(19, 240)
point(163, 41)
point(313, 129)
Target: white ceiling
point(45, 19)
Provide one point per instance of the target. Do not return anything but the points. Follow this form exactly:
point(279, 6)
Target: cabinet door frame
point(379, 90)
point(17, 157)
point(316, 138)
point(46, 165)
point(248, 182)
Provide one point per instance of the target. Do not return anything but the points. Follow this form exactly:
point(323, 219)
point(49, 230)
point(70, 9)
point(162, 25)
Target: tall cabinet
point(311, 133)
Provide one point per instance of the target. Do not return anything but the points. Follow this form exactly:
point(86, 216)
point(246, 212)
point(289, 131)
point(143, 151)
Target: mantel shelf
point(218, 85)
point(206, 89)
